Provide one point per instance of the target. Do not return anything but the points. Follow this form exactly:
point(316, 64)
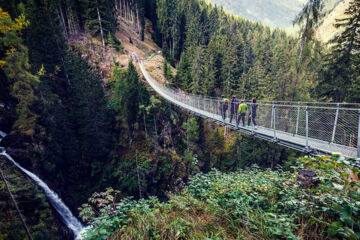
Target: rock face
point(306, 179)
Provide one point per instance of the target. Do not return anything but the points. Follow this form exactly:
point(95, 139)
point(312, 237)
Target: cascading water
point(68, 218)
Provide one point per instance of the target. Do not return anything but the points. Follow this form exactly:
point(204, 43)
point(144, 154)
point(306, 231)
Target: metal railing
point(325, 127)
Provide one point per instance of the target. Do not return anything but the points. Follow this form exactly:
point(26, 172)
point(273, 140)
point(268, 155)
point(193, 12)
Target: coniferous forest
point(79, 114)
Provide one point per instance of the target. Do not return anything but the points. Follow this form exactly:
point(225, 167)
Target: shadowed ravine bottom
point(66, 215)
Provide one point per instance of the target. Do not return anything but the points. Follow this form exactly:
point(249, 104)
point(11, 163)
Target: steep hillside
point(327, 29)
point(273, 13)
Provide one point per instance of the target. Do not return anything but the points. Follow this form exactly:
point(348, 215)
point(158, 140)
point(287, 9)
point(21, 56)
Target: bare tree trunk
point(173, 48)
point(146, 134)
point(138, 176)
point(133, 17)
point(101, 30)
point(62, 20)
point(58, 47)
point(298, 67)
point(138, 20)
point(16, 206)
point(303, 40)
point(120, 8)
point(128, 11)
point(244, 72)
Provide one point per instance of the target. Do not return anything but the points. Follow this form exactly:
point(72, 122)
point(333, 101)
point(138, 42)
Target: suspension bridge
point(311, 127)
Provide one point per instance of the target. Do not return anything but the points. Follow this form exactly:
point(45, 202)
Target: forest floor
point(102, 58)
point(146, 49)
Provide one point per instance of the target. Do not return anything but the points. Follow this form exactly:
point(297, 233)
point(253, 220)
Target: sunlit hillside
point(279, 13)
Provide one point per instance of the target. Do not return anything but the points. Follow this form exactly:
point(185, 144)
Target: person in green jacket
point(242, 113)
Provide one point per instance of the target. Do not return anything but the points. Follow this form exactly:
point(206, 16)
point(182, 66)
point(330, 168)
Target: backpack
point(236, 105)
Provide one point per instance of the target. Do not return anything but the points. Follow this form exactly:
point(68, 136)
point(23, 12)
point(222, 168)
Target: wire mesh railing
point(324, 126)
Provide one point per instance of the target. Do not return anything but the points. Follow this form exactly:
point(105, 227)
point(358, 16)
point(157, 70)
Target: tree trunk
point(101, 30)
point(298, 67)
point(16, 206)
point(120, 9)
point(138, 176)
point(173, 48)
point(62, 21)
point(138, 20)
point(303, 41)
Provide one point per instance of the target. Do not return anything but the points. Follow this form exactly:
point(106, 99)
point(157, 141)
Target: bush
point(247, 204)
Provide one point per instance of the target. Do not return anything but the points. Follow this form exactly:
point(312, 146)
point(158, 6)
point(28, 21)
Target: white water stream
point(66, 215)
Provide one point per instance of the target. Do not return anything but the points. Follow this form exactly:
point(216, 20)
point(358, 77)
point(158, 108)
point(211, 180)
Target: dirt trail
point(102, 58)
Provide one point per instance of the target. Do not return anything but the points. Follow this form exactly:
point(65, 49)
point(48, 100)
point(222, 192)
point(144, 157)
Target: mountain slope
point(327, 31)
point(274, 13)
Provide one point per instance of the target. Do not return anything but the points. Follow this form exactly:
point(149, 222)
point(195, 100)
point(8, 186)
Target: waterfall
point(68, 218)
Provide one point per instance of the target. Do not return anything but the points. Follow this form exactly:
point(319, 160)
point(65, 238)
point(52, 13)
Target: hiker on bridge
point(252, 115)
point(242, 112)
point(234, 108)
point(224, 106)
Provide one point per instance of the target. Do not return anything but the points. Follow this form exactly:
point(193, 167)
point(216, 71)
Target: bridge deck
point(296, 141)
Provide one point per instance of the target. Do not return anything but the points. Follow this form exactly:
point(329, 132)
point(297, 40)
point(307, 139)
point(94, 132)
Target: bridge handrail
point(333, 124)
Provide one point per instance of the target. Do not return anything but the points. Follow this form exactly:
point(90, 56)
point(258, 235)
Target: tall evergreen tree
point(341, 68)
point(309, 18)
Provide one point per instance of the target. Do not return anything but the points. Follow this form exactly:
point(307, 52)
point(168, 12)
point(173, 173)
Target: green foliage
point(114, 42)
point(95, 9)
point(15, 68)
point(32, 202)
point(339, 75)
point(218, 53)
point(245, 204)
point(167, 72)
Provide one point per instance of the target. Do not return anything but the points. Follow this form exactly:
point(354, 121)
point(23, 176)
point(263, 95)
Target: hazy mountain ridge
point(274, 13)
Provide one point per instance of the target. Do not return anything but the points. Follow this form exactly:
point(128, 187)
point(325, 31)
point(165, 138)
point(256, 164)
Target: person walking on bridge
point(242, 112)
point(224, 106)
point(252, 115)
point(234, 108)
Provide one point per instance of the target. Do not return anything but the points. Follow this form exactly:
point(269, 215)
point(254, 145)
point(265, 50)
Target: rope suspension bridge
point(316, 128)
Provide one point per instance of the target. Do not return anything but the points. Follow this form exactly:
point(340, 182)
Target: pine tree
point(183, 73)
point(341, 71)
point(198, 70)
point(88, 109)
point(310, 16)
point(99, 17)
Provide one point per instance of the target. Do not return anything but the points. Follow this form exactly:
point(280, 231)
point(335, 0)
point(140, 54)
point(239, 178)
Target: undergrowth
point(247, 204)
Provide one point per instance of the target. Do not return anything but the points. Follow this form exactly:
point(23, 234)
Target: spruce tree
point(341, 71)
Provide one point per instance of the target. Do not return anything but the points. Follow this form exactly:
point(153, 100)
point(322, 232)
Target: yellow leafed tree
point(16, 67)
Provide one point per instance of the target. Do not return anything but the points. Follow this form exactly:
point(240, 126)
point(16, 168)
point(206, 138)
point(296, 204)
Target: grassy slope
point(327, 30)
point(248, 204)
point(281, 13)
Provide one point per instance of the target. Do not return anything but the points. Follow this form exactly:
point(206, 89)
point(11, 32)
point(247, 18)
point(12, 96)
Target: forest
point(131, 165)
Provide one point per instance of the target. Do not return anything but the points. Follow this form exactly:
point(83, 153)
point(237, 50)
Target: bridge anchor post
point(307, 127)
point(274, 120)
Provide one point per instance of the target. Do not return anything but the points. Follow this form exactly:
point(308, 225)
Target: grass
point(247, 204)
